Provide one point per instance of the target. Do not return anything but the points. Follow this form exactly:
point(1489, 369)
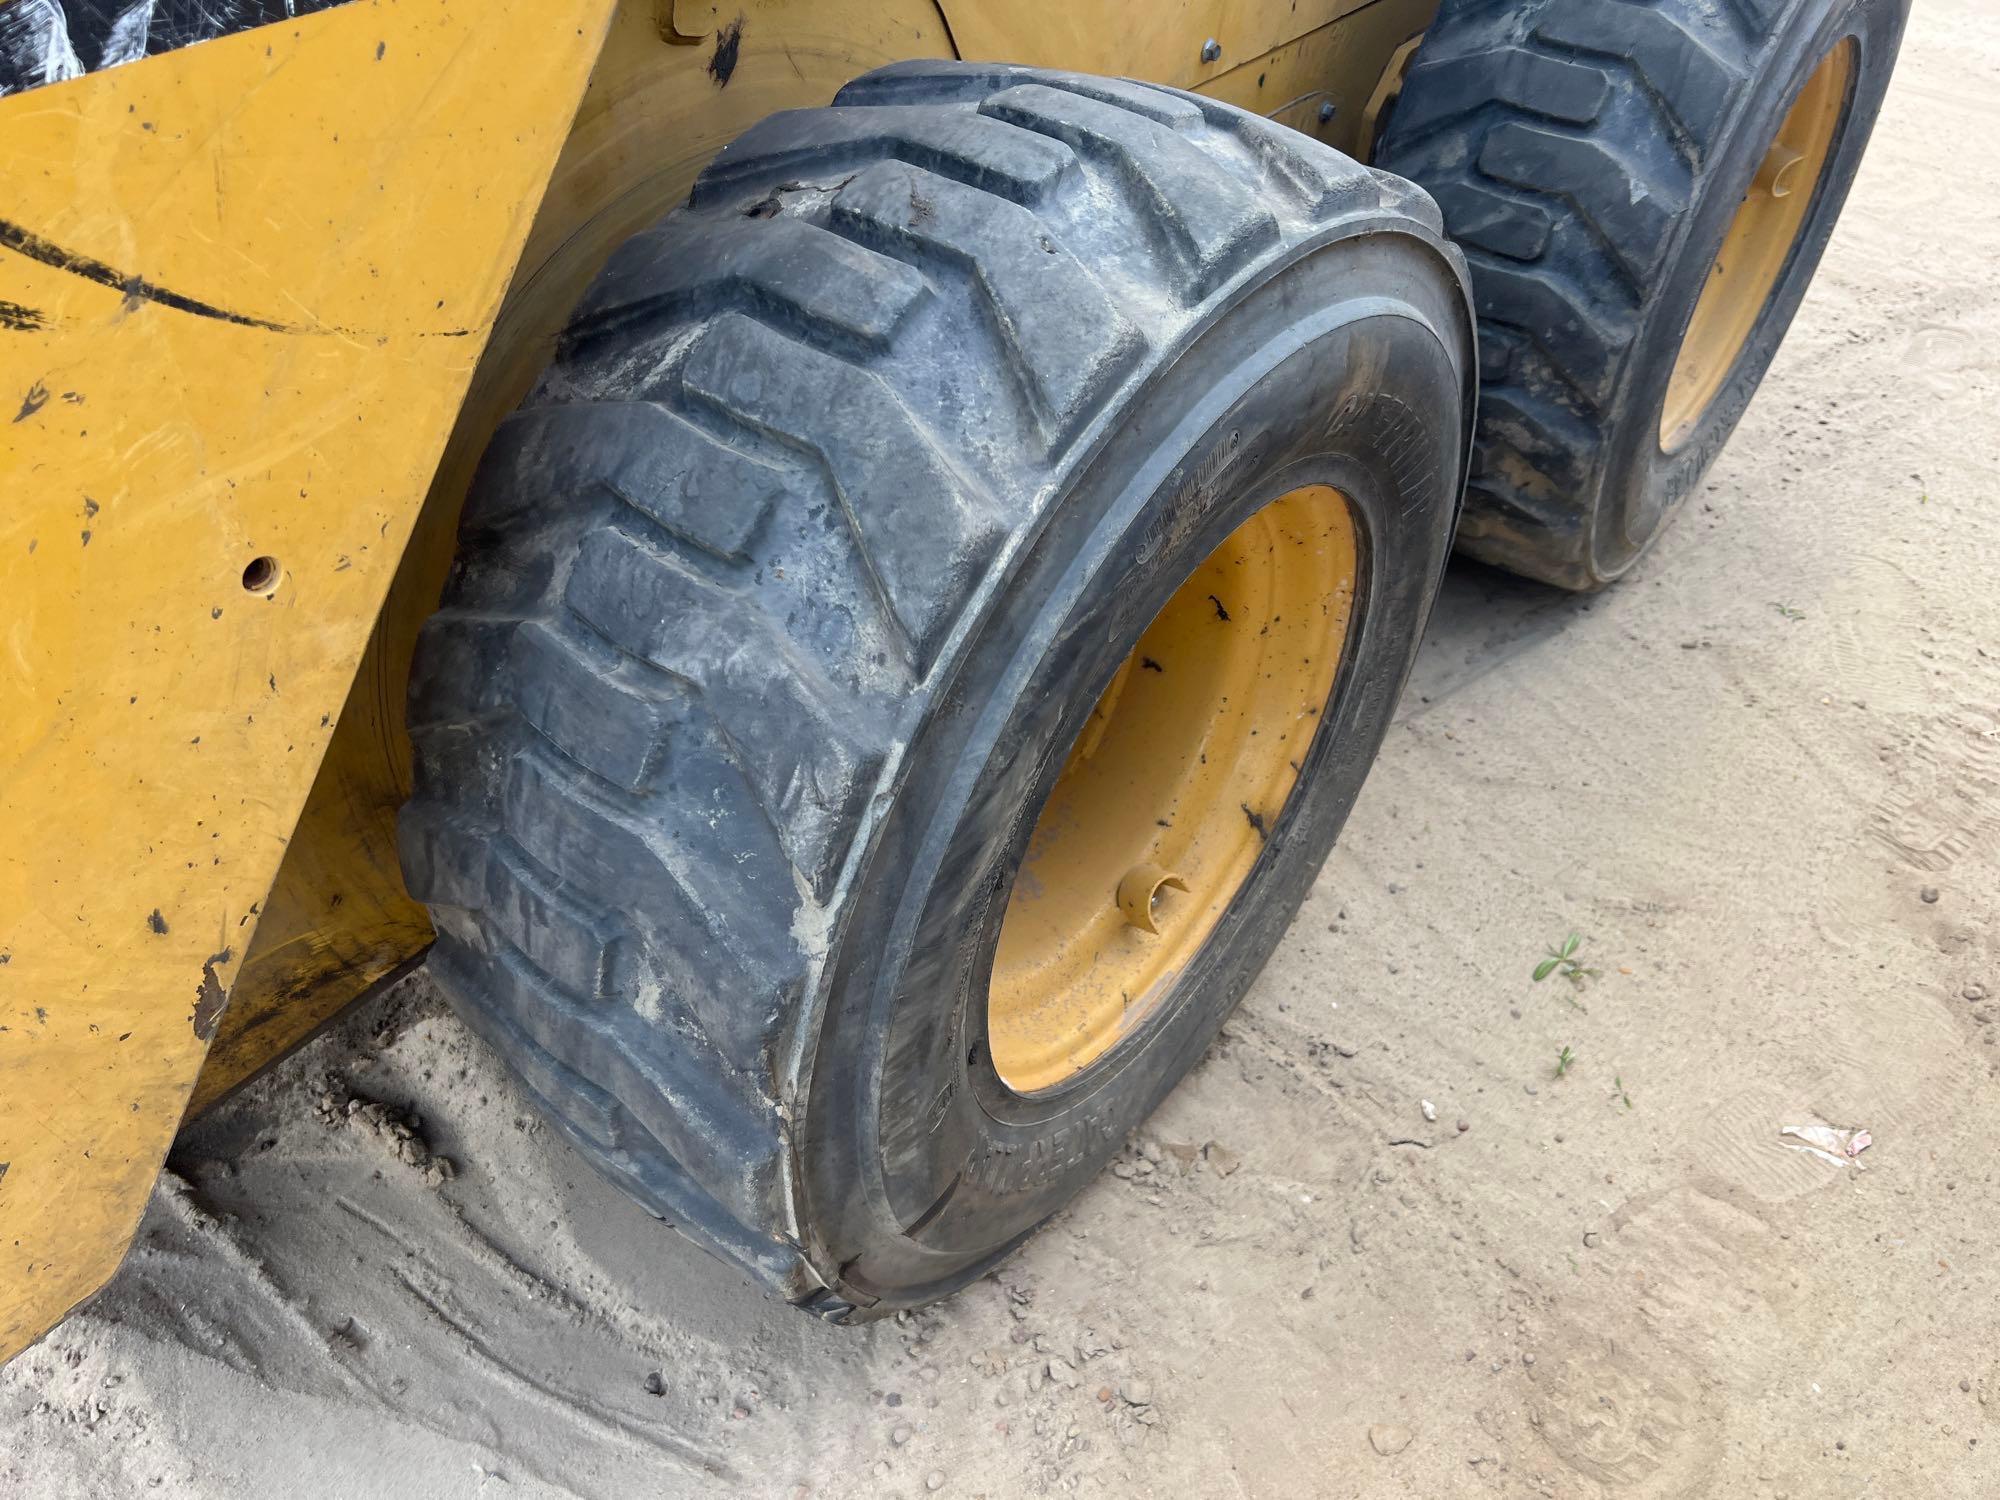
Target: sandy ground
point(1762, 779)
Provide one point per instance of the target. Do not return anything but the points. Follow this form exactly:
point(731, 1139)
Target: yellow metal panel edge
point(1340, 63)
point(1163, 41)
point(313, 224)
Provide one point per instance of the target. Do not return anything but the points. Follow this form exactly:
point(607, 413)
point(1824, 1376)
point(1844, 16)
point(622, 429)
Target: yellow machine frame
point(265, 298)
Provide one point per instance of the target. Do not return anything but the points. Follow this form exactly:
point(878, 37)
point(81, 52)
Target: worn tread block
point(1484, 219)
point(755, 691)
point(1693, 82)
point(1548, 436)
point(456, 678)
point(602, 709)
point(1323, 181)
point(919, 558)
point(1517, 508)
point(711, 496)
point(1209, 223)
point(1066, 341)
point(667, 1085)
point(1556, 319)
point(1755, 16)
point(700, 855)
point(459, 971)
point(1633, 217)
point(982, 153)
point(943, 80)
point(780, 267)
point(596, 1124)
point(568, 940)
point(1436, 93)
point(443, 856)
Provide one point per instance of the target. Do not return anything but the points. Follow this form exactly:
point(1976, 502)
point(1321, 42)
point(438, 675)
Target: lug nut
point(1211, 50)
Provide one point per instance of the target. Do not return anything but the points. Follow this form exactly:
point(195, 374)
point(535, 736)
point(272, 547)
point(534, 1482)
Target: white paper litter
point(1833, 1144)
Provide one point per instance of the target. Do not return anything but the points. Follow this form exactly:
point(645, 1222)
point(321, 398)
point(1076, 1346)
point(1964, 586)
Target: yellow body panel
point(307, 229)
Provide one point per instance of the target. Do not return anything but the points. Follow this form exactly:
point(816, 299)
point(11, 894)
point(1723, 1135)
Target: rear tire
point(782, 599)
point(1590, 156)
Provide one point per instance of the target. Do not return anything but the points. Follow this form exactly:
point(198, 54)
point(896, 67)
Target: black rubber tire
point(781, 598)
point(1589, 156)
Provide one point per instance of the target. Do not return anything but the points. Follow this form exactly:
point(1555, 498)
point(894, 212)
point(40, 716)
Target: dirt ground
point(1761, 778)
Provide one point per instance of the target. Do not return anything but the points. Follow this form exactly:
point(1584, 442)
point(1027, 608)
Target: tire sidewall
point(1644, 484)
point(920, 1167)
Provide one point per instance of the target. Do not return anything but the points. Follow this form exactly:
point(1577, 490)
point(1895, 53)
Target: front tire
point(787, 598)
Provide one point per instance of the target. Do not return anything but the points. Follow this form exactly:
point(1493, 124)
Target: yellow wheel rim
point(1758, 246)
point(1170, 790)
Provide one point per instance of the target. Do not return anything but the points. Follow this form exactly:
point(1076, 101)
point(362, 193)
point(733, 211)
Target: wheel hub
point(1757, 248)
point(1170, 790)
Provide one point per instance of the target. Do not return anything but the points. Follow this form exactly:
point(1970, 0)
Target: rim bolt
point(1138, 891)
point(1779, 175)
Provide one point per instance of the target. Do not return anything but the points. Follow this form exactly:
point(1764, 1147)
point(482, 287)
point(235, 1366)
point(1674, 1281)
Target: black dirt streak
point(157, 922)
point(728, 43)
point(1220, 613)
point(21, 319)
point(1256, 820)
point(34, 401)
point(209, 995)
point(136, 288)
point(1150, 665)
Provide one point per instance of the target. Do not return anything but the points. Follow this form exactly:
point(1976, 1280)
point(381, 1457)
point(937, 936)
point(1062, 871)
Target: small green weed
point(1787, 611)
point(1565, 1060)
point(1563, 960)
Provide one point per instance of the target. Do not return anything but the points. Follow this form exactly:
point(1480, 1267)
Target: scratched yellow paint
point(346, 196)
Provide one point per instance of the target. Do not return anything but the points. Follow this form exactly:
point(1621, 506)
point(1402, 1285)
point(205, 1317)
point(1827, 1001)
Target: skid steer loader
point(833, 567)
